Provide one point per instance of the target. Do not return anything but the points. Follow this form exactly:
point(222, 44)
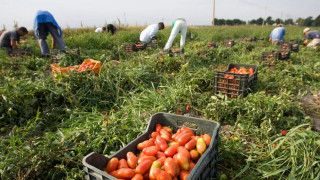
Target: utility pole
point(214, 2)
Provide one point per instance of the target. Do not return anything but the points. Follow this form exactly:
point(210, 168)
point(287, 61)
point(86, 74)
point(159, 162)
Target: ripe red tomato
point(132, 160)
point(112, 165)
point(158, 127)
point(184, 138)
point(150, 158)
point(124, 173)
point(171, 150)
point(137, 177)
point(184, 175)
point(161, 143)
point(143, 167)
point(183, 161)
point(123, 164)
point(191, 144)
point(144, 144)
point(207, 139)
point(170, 167)
point(150, 151)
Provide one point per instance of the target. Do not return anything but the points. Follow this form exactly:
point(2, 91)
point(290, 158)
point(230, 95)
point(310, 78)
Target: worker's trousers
point(179, 26)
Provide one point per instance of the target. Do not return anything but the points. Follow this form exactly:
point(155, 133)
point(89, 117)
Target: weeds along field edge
point(50, 125)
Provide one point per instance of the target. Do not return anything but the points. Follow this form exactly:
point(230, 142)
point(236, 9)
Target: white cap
point(305, 30)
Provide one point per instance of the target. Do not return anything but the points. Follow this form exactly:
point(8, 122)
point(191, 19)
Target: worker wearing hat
point(314, 36)
point(100, 29)
point(276, 36)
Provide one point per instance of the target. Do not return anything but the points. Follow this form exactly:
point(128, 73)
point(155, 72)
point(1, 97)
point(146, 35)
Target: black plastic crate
point(205, 168)
point(54, 53)
point(296, 41)
point(68, 51)
point(233, 85)
point(229, 43)
point(250, 39)
point(18, 52)
point(282, 54)
point(213, 45)
point(175, 52)
point(152, 44)
point(269, 59)
point(286, 46)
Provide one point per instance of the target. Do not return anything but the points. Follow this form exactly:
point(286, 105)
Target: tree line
point(309, 21)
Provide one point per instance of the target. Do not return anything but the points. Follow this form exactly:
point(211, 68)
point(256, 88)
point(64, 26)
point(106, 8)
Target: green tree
point(269, 20)
point(308, 21)
point(300, 21)
point(316, 21)
point(260, 21)
point(288, 22)
point(278, 21)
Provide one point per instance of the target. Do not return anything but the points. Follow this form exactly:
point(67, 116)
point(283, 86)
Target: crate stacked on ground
point(269, 59)
point(213, 45)
point(135, 47)
point(295, 44)
point(248, 39)
point(175, 52)
point(282, 54)
point(89, 65)
point(229, 43)
point(234, 84)
point(205, 168)
point(140, 46)
point(18, 52)
point(54, 53)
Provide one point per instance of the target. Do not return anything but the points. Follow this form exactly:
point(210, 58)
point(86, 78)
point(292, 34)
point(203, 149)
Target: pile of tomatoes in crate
point(165, 156)
point(84, 66)
point(239, 71)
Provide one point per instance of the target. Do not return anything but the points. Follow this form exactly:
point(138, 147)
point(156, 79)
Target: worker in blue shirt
point(276, 36)
point(45, 23)
point(314, 36)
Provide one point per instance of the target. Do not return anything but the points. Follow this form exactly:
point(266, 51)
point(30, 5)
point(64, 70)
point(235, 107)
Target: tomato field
point(48, 124)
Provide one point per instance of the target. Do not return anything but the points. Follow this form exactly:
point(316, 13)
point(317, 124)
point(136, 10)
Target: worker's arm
point(14, 43)
point(53, 43)
point(270, 39)
point(305, 42)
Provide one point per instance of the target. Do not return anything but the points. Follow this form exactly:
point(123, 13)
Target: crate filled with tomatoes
point(173, 147)
point(282, 54)
point(229, 43)
point(269, 59)
point(213, 45)
point(236, 80)
point(89, 65)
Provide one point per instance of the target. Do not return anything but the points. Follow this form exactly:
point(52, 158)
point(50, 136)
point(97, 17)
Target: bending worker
point(112, 28)
point(179, 25)
point(314, 35)
point(100, 29)
point(276, 36)
point(44, 23)
point(11, 39)
point(148, 33)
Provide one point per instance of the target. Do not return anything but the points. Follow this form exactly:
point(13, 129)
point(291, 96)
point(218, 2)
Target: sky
point(90, 13)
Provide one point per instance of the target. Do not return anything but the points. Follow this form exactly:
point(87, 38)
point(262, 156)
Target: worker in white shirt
point(148, 33)
point(179, 25)
point(100, 29)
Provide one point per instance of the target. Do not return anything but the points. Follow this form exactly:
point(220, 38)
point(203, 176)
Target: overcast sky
point(197, 12)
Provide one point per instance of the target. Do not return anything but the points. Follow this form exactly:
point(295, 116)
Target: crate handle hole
point(187, 124)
